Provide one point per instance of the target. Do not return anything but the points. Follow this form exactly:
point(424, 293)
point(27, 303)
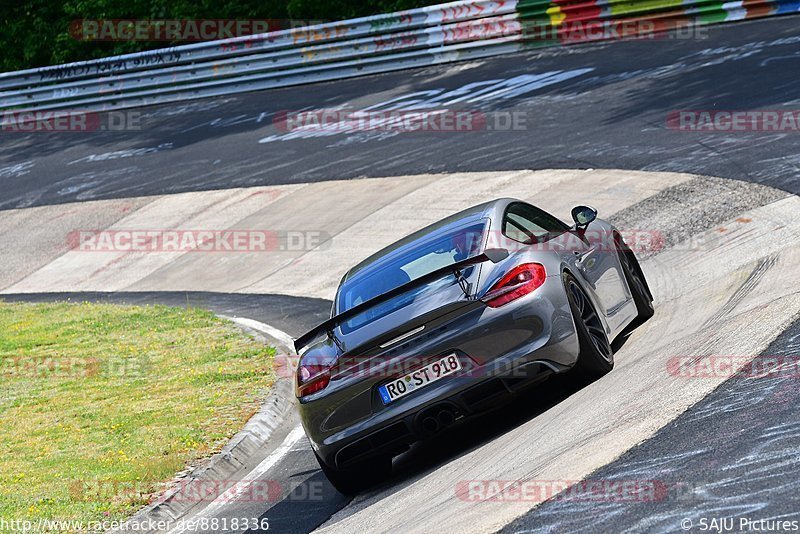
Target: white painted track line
point(271, 331)
point(241, 487)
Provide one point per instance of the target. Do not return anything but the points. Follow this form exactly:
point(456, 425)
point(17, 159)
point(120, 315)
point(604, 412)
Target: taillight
point(313, 373)
point(520, 281)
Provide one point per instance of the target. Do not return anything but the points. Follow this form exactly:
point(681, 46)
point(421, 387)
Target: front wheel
point(359, 477)
point(596, 356)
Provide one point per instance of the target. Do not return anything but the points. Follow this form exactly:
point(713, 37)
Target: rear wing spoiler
point(494, 255)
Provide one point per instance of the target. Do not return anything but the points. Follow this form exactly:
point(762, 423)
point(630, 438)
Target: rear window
point(426, 257)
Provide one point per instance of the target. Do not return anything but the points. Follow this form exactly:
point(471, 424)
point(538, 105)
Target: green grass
point(100, 405)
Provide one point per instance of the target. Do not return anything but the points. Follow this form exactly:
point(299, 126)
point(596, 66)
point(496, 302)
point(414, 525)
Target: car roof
point(488, 210)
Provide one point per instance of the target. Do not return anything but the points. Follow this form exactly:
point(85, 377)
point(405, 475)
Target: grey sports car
point(453, 320)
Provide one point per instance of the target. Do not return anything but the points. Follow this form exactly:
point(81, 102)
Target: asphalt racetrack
point(600, 106)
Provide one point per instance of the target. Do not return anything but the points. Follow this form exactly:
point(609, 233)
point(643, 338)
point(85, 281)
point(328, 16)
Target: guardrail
point(425, 36)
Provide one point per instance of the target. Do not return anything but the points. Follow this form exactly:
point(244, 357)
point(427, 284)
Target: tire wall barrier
point(431, 35)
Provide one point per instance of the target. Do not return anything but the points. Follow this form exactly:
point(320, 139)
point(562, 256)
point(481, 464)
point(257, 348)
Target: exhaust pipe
point(446, 418)
point(430, 425)
point(436, 419)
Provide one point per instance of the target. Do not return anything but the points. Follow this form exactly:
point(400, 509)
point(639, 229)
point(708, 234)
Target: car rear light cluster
point(313, 373)
point(518, 282)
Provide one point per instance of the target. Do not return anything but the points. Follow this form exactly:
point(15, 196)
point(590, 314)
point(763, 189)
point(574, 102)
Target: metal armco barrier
point(426, 36)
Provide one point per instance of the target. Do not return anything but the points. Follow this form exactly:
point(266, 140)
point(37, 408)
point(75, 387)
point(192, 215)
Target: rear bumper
point(400, 432)
point(501, 350)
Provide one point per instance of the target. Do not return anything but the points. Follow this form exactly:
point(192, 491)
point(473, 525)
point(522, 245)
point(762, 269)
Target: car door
point(586, 252)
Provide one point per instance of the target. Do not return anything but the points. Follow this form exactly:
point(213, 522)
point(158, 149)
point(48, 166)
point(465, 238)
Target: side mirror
point(583, 216)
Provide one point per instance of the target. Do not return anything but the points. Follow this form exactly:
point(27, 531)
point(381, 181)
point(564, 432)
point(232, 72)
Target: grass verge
point(101, 404)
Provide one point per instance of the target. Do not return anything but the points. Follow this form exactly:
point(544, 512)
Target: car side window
point(528, 224)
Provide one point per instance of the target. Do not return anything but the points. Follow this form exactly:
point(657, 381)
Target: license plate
point(420, 378)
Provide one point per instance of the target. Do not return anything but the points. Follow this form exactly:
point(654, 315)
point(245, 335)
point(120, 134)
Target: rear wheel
point(596, 357)
point(358, 477)
point(636, 282)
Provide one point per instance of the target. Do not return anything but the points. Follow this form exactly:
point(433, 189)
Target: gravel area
point(687, 209)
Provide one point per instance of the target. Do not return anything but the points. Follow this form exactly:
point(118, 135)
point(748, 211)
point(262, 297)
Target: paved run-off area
point(358, 217)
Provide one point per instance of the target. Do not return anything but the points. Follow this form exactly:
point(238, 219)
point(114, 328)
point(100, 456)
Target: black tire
point(359, 477)
point(637, 284)
point(596, 357)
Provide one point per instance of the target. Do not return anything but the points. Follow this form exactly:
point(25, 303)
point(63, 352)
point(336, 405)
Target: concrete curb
point(226, 465)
